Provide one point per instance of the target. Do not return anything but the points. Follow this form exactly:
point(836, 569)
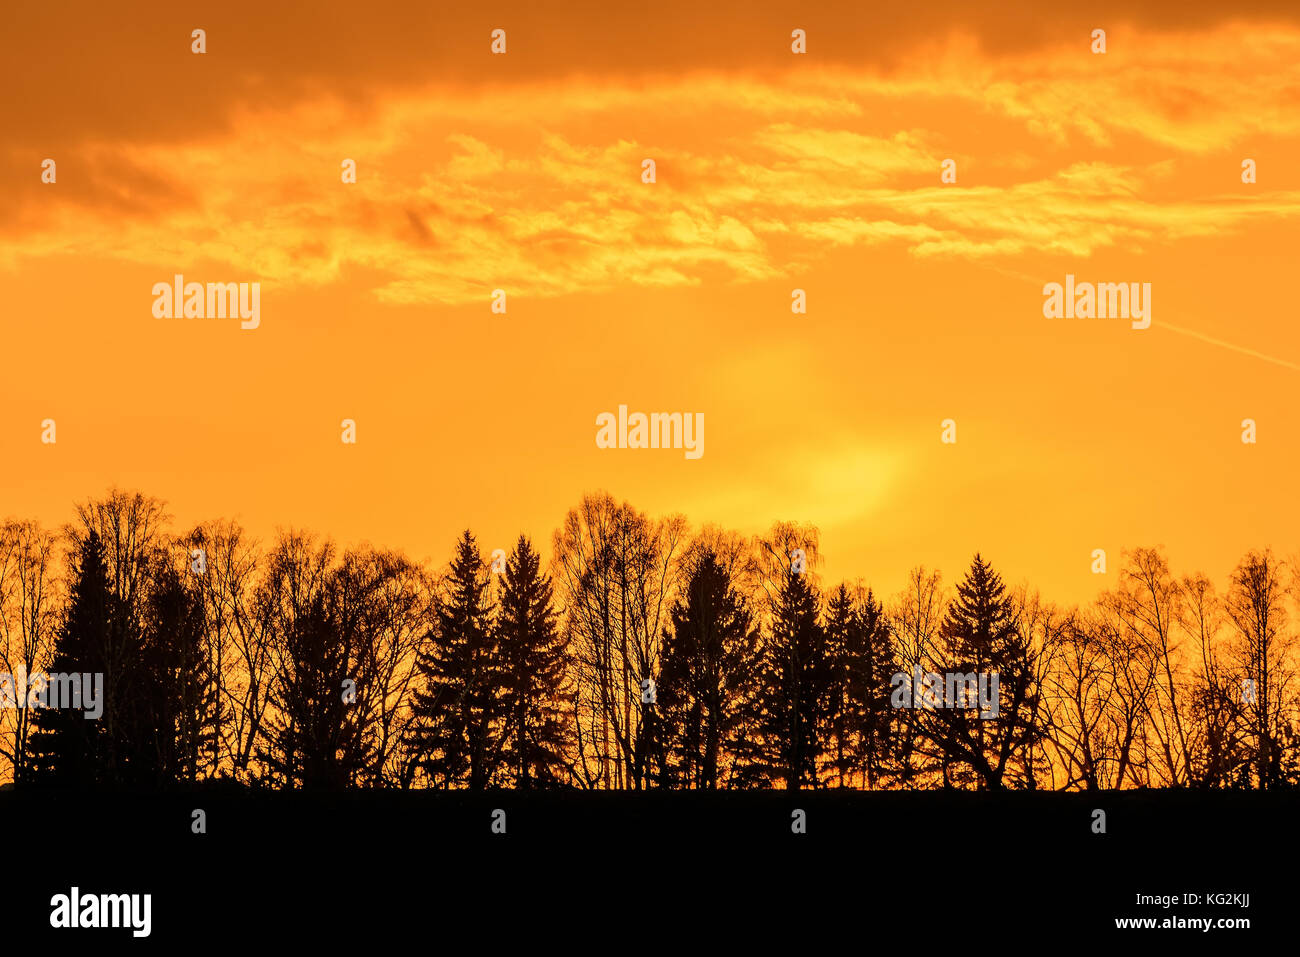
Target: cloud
point(537, 190)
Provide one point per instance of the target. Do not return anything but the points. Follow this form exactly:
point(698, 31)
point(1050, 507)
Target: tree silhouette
point(301, 667)
point(915, 617)
point(535, 696)
point(860, 662)
point(614, 570)
point(788, 717)
point(1148, 609)
point(981, 636)
point(459, 703)
point(709, 668)
point(309, 733)
point(29, 620)
point(66, 748)
point(182, 699)
point(1257, 612)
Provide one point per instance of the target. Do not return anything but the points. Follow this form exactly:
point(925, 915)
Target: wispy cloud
point(509, 187)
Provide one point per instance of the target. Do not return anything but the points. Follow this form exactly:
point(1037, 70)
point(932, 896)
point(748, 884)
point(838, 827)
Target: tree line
point(642, 654)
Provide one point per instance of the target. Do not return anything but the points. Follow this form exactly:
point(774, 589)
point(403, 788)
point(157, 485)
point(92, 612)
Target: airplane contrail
point(1227, 345)
point(1161, 324)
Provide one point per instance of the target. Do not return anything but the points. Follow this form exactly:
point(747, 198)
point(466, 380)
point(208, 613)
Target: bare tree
point(132, 529)
point(787, 547)
point(1079, 691)
point(388, 609)
point(1043, 626)
point(28, 617)
point(302, 733)
point(1218, 746)
point(916, 614)
point(1149, 606)
point(615, 572)
point(237, 645)
point(1256, 609)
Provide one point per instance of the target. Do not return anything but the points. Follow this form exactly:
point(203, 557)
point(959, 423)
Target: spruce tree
point(980, 635)
point(841, 712)
point(310, 731)
point(785, 726)
point(869, 689)
point(534, 659)
point(860, 663)
point(709, 666)
point(184, 694)
point(67, 748)
point(458, 703)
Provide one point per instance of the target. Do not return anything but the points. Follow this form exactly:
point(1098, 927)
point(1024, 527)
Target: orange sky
point(775, 171)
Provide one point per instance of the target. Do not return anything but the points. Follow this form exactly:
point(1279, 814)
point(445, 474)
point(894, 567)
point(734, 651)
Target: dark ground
point(654, 872)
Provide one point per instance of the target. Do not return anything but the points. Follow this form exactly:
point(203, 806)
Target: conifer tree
point(841, 712)
point(709, 665)
point(980, 637)
point(184, 690)
point(784, 738)
point(310, 734)
point(534, 688)
point(860, 663)
point(458, 703)
point(869, 689)
point(67, 748)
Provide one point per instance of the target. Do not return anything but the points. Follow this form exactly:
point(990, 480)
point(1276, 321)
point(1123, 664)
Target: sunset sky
point(775, 171)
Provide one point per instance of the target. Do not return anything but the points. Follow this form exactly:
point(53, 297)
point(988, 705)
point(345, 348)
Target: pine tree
point(709, 665)
point(840, 711)
point(184, 692)
point(534, 659)
point(66, 748)
point(859, 664)
point(784, 739)
point(310, 731)
point(980, 635)
point(869, 689)
point(458, 704)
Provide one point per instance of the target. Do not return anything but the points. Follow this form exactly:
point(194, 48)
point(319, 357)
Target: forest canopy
point(641, 654)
